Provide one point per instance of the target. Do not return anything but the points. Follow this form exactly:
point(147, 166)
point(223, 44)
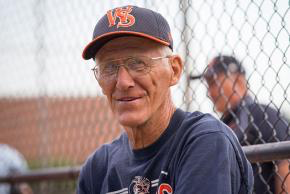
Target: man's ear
point(177, 67)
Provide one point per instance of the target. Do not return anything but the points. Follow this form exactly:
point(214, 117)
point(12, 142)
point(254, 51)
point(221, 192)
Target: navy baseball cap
point(221, 64)
point(129, 21)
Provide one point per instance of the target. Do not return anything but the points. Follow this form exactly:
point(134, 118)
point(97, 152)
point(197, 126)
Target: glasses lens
point(137, 65)
point(108, 69)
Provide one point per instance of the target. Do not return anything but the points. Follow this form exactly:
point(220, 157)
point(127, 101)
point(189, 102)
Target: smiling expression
point(135, 100)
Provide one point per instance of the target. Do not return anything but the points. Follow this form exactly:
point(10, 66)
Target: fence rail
point(255, 153)
point(44, 175)
point(268, 152)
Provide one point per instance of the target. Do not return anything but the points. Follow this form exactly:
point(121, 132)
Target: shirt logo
point(139, 185)
point(165, 188)
point(124, 16)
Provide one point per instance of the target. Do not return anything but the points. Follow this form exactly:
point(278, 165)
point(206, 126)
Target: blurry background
point(51, 107)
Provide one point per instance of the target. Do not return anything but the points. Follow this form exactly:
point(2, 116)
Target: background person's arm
point(282, 180)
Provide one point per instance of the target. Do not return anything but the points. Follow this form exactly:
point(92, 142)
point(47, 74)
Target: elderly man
point(253, 123)
point(163, 149)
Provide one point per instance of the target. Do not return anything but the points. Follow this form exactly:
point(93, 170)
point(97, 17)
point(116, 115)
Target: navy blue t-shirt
point(195, 154)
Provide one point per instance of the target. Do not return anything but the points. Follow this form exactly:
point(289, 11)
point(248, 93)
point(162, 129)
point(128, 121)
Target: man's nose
point(124, 79)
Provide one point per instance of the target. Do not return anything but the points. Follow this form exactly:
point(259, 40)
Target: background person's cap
point(221, 64)
point(129, 21)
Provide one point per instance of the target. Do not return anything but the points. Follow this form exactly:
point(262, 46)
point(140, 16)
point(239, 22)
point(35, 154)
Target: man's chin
point(130, 120)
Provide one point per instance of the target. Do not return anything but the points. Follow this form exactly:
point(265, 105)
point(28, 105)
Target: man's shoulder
point(102, 155)
point(96, 166)
point(205, 138)
point(198, 126)
point(203, 123)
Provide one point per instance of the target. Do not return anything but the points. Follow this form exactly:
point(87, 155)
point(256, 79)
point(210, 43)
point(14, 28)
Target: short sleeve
point(93, 172)
point(208, 165)
point(83, 186)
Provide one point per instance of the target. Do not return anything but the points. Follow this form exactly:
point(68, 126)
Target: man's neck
point(146, 134)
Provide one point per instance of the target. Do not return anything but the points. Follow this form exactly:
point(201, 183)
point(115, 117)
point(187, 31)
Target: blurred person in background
point(12, 163)
point(252, 122)
point(162, 149)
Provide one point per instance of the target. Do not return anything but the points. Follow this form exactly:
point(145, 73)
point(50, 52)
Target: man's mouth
point(127, 99)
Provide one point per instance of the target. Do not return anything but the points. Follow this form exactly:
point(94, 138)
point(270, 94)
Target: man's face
point(223, 90)
point(134, 100)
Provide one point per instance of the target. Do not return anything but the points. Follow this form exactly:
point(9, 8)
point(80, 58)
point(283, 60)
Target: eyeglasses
point(136, 66)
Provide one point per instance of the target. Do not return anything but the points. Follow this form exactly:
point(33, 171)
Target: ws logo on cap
point(123, 13)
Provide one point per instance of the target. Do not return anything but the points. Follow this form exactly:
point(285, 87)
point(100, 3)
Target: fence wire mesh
point(51, 107)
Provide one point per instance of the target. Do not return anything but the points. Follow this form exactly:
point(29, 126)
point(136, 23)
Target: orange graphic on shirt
point(165, 188)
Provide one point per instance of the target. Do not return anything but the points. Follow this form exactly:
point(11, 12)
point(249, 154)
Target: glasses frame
point(95, 69)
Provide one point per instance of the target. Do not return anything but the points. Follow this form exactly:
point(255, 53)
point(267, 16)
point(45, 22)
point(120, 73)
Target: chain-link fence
point(52, 109)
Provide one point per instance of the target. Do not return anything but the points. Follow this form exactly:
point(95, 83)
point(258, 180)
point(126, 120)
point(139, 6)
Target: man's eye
point(109, 68)
point(135, 64)
point(132, 61)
